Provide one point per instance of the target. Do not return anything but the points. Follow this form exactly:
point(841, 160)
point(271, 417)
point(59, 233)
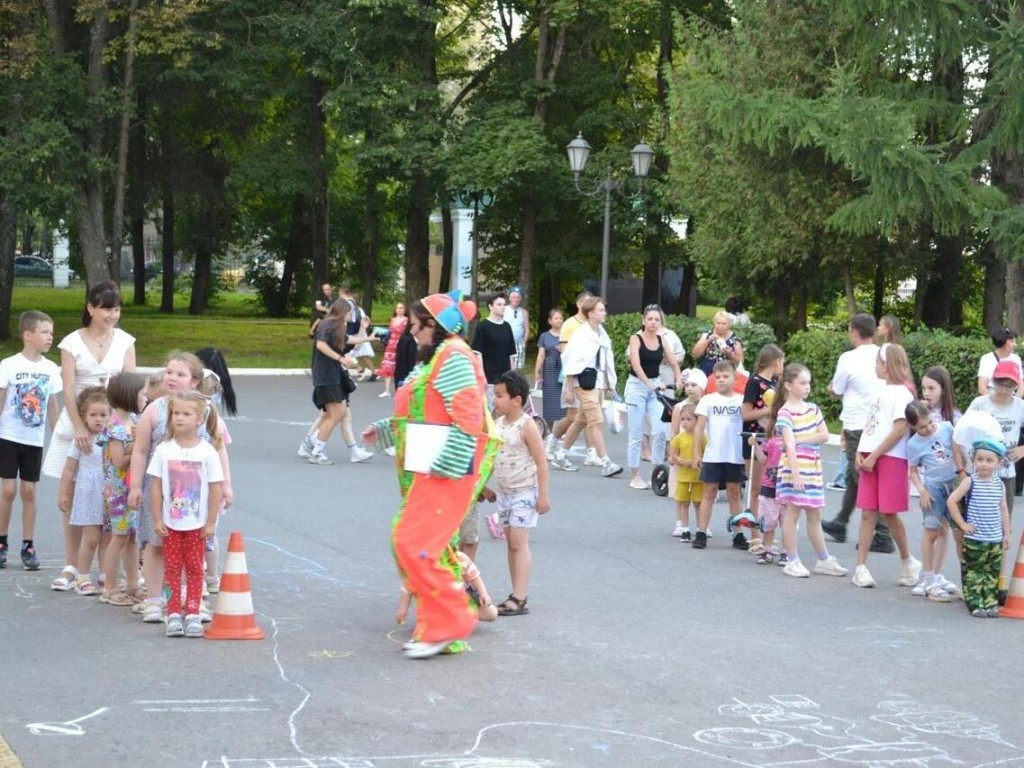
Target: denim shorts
point(937, 515)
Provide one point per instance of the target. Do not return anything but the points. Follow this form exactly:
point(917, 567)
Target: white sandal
point(64, 584)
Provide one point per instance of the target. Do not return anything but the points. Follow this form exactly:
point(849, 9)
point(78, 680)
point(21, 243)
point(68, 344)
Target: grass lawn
point(247, 341)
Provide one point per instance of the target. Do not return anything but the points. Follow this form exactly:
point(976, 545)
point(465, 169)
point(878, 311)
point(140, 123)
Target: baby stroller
point(659, 475)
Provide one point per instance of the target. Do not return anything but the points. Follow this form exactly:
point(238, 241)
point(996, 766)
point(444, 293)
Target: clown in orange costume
point(445, 391)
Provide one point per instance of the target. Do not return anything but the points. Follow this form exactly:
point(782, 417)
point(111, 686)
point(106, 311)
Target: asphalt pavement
point(638, 650)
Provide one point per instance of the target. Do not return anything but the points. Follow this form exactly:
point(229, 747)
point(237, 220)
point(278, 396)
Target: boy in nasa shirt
point(28, 382)
point(720, 415)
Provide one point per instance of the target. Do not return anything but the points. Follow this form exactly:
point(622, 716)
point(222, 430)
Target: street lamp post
point(579, 150)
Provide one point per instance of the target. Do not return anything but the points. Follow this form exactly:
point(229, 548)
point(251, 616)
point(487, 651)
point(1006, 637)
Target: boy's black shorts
point(20, 460)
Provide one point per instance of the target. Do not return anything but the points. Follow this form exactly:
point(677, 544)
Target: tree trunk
point(417, 238)
point(8, 243)
point(90, 198)
point(28, 234)
point(167, 252)
point(938, 301)
point(137, 209)
point(137, 230)
point(878, 297)
point(1015, 294)
point(851, 298)
point(319, 192)
point(994, 305)
point(529, 244)
point(447, 250)
point(801, 309)
point(298, 245)
point(120, 179)
point(201, 269)
point(375, 204)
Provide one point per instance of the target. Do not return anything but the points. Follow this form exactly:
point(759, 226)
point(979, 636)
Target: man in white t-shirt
point(857, 384)
point(1005, 341)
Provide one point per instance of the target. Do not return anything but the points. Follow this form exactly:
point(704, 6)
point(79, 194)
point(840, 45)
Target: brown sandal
point(513, 606)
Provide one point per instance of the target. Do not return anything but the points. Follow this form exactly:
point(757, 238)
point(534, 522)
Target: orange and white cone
point(1014, 607)
point(234, 617)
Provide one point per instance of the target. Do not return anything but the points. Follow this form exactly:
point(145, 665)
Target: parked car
point(32, 266)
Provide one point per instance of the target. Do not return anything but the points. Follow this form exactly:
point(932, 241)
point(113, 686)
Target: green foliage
point(819, 350)
point(621, 327)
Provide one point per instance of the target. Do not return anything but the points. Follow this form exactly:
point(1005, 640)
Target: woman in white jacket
point(588, 364)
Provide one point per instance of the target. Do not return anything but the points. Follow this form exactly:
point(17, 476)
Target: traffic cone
point(1014, 608)
point(234, 618)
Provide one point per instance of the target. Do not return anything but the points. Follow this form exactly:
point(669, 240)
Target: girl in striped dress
point(800, 485)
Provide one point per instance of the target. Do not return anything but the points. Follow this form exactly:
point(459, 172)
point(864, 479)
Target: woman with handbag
point(647, 353)
point(332, 386)
point(445, 452)
point(589, 367)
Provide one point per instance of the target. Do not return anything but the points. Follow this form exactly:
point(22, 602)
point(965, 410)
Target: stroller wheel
point(659, 480)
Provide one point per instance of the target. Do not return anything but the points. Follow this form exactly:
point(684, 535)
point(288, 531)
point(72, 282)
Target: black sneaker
point(739, 541)
point(685, 537)
point(767, 558)
point(700, 540)
point(3, 555)
point(1001, 596)
point(884, 545)
point(782, 559)
point(28, 559)
point(836, 531)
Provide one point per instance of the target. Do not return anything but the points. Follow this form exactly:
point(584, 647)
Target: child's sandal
point(513, 606)
point(116, 597)
point(85, 587)
point(66, 581)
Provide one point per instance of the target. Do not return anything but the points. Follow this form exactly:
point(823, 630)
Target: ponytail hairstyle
point(940, 376)
point(103, 295)
point(203, 406)
point(789, 374)
point(916, 411)
point(768, 356)
point(219, 380)
point(897, 366)
point(88, 396)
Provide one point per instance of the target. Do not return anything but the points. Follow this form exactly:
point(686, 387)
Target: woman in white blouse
point(89, 356)
point(589, 349)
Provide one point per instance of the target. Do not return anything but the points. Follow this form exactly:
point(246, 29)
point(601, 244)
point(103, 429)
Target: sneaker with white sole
point(320, 458)
point(936, 593)
point(559, 461)
point(921, 588)
point(193, 626)
point(592, 460)
point(782, 559)
point(910, 572)
point(382, 395)
point(946, 584)
point(610, 469)
point(359, 455)
point(862, 577)
point(174, 626)
point(153, 611)
point(550, 446)
point(305, 449)
point(830, 567)
point(796, 569)
point(678, 530)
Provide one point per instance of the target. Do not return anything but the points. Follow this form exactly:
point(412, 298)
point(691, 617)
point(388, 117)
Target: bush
point(621, 327)
point(820, 350)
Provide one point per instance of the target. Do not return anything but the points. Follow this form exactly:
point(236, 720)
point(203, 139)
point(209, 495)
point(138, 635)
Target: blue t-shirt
point(933, 456)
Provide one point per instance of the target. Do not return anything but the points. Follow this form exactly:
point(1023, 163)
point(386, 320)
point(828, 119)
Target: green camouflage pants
point(981, 564)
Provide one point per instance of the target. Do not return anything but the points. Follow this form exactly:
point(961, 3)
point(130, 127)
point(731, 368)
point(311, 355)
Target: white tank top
point(514, 469)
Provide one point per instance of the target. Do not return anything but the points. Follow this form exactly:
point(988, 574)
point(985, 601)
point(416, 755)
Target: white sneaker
point(320, 458)
point(946, 584)
point(382, 395)
point(390, 450)
point(937, 593)
point(549, 446)
point(153, 613)
point(359, 455)
point(830, 567)
point(796, 569)
point(910, 572)
point(305, 449)
point(610, 469)
point(559, 461)
point(921, 588)
point(678, 530)
point(592, 460)
point(862, 577)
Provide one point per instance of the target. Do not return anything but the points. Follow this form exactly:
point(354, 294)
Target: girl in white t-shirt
point(882, 462)
point(185, 500)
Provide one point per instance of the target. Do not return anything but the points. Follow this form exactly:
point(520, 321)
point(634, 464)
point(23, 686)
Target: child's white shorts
point(518, 509)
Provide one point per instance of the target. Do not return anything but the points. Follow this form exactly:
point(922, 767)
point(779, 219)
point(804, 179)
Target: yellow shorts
point(687, 491)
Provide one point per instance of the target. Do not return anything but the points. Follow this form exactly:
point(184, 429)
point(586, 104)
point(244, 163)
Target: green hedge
point(819, 351)
point(621, 327)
